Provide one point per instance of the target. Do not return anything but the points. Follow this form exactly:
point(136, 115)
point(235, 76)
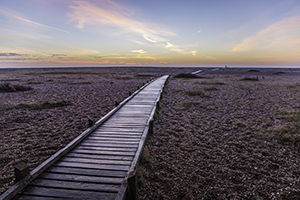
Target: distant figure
point(226, 66)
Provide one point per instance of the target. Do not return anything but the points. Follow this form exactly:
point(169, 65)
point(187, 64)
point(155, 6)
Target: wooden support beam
point(21, 171)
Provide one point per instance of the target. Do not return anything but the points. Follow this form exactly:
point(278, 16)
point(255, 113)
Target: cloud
point(10, 14)
point(284, 34)
point(116, 18)
point(10, 54)
point(59, 55)
point(139, 51)
point(180, 49)
point(199, 31)
point(169, 45)
point(28, 50)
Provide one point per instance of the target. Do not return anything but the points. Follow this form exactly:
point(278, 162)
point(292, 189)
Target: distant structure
point(226, 66)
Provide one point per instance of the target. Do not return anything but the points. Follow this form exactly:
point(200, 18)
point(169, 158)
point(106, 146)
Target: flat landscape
point(224, 134)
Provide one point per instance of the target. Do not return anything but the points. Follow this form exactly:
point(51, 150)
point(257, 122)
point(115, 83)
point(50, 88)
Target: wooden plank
point(120, 129)
point(96, 156)
point(117, 153)
point(92, 166)
point(107, 148)
point(99, 187)
point(27, 197)
point(89, 172)
point(116, 135)
point(127, 119)
point(100, 144)
point(132, 115)
point(117, 132)
point(94, 161)
point(113, 139)
point(81, 178)
point(69, 194)
point(110, 142)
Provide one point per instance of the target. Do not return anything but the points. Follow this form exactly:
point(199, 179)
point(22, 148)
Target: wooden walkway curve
point(100, 163)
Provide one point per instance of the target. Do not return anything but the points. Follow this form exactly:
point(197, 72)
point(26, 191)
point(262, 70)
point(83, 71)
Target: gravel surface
point(221, 137)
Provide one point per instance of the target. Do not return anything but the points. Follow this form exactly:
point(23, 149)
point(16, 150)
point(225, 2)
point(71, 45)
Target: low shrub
point(39, 105)
point(7, 87)
point(183, 75)
point(250, 79)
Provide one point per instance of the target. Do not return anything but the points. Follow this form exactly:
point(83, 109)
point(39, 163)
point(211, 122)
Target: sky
point(149, 33)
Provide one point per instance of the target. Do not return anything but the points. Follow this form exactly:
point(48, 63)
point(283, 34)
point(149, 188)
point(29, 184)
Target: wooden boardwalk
point(103, 161)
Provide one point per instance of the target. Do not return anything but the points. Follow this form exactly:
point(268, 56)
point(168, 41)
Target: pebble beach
point(222, 135)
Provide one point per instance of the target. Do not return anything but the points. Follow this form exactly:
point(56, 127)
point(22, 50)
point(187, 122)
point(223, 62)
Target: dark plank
point(99, 144)
point(75, 185)
point(82, 178)
point(92, 166)
point(27, 197)
point(94, 161)
point(149, 100)
point(124, 126)
point(113, 139)
point(116, 153)
point(107, 148)
point(136, 106)
point(116, 135)
point(112, 142)
point(89, 172)
point(68, 194)
point(129, 121)
point(96, 156)
point(120, 129)
point(127, 114)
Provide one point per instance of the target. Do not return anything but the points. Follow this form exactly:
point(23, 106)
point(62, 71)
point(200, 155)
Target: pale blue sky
point(160, 33)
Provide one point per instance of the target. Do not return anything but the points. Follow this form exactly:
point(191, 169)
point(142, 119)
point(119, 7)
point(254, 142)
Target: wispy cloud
point(15, 16)
point(281, 35)
point(109, 14)
point(21, 36)
point(139, 51)
point(28, 50)
point(181, 49)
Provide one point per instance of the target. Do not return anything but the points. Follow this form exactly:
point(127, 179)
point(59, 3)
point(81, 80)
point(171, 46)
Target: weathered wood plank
point(115, 142)
point(103, 152)
point(106, 148)
point(128, 120)
point(120, 129)
point(68, 194)
point(97, 156)
point(27, 197)
point(116, 135)
point(92, 166)
point(113, 139)
point(89, 172)
point(81, 178)
point(99, 187)
point(94, 161)
point(99, 144)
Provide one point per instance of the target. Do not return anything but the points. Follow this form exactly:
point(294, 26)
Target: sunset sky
point(149, 33)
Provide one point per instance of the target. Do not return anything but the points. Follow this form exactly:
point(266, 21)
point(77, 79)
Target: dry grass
point(39, 105)
point(250, 79)
point(7, 87)
point(195, 93)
